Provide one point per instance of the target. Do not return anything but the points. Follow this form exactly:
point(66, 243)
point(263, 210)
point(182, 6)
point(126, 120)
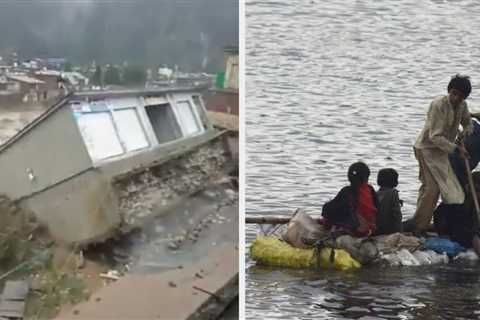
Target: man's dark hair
point(461, 83)
point(388, 178)
point(358, 173)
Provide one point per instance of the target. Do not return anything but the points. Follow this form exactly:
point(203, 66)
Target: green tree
point(96, 79)
point(112, 76)
point(134, 75)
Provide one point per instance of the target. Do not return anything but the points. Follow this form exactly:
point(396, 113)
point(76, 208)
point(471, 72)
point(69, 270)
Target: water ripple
point(333, 82)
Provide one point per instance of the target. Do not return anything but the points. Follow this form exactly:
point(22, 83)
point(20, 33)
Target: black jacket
point(340, 211)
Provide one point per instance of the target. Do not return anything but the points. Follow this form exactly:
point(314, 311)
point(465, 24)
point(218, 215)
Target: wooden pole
point(271, 219)
point(472, 189)
point(472, 185)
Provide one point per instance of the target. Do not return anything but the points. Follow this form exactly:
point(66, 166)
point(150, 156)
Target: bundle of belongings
point(395, 249)
point(306, 243)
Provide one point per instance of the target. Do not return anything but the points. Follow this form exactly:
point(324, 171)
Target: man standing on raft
point(435, 143)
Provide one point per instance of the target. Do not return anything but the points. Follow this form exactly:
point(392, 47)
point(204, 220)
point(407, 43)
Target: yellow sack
point(271, 251)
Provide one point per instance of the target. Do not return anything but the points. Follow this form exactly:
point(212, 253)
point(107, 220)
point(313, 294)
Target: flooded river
point(330, 83)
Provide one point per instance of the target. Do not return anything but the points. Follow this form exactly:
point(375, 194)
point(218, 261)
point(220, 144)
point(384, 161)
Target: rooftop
point(24, 78)
point(94, 95)
point(101, 94)
point(48, 73)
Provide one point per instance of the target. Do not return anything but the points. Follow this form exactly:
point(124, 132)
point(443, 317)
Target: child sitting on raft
point(354, 209)
point(389, 219)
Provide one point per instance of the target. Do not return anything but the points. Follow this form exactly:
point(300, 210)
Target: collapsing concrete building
point(96, 161)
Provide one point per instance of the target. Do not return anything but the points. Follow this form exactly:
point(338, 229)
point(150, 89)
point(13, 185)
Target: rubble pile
point(176, 242)
point(161, 184)
point(18, 229)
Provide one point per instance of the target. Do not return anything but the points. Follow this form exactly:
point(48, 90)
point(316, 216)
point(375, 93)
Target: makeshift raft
point(295, 249)
point(272, 251)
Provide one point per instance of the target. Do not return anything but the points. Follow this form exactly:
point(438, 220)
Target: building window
point(130, 130)
point(187, 117)
point(99, 134)
point(198, 105)
point(163, 122)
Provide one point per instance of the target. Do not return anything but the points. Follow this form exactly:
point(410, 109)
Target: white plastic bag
point(303, 231)
point(423, 257)
point(391, 259)
point(468, 255)
point(430, 257)
point(407, 259)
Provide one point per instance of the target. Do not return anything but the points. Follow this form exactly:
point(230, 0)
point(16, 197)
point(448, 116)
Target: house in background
point(222, 101)
point(75, 80)
point(224, 98)
point(98, 160)
point(231, 68)
point(30, 89)
point(56, 63)
point(7, 85)
point(52, 81)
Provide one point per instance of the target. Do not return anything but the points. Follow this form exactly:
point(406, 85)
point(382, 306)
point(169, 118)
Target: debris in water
point(208, 292)
point(111, 275)
point(172, 246)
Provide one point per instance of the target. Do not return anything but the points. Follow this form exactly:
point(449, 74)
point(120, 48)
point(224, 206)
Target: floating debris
point(111, 275)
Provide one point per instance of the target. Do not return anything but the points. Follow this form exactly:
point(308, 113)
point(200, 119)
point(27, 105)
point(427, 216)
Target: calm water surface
point(330, 83)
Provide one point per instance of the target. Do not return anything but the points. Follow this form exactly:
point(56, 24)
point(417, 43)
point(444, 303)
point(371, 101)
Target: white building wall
point(113, 128)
